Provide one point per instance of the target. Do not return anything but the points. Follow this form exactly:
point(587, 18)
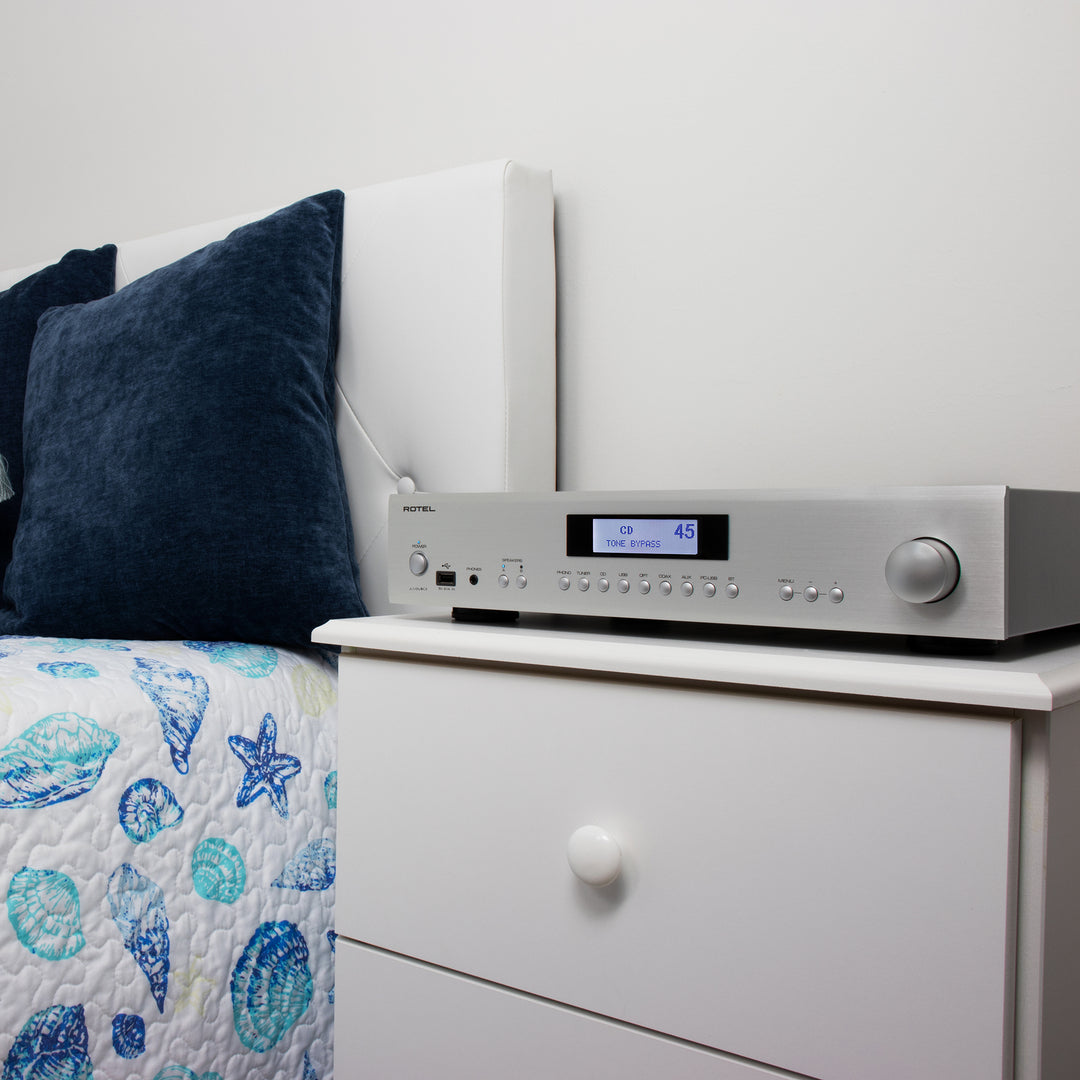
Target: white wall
point(800, 241)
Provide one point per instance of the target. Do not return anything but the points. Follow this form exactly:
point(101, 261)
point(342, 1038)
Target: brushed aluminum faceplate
point(807, 560)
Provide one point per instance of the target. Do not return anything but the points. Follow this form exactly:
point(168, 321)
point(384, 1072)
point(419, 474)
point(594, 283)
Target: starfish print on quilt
point(267, 770)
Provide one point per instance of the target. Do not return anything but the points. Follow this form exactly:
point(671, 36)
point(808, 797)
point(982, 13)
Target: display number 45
point(685, 530)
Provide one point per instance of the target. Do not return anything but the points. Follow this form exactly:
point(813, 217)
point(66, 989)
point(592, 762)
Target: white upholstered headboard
point(446, 361)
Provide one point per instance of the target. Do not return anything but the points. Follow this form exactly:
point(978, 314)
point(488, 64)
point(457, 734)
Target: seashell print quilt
point(167, 860)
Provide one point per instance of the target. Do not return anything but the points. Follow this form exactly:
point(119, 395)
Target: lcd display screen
point(648, 535)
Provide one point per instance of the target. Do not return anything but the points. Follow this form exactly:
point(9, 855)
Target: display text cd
point(648, 536)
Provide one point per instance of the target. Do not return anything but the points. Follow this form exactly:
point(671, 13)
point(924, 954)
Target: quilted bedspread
point(167, 826)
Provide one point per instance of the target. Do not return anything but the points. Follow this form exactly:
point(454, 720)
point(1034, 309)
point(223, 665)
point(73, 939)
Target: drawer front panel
point(399, 1020)
point(821, 885)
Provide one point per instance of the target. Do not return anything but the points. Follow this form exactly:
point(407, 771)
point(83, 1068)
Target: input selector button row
point(645, 586)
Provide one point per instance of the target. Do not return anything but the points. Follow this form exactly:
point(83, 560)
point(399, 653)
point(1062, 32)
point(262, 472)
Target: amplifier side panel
point(1043, 560)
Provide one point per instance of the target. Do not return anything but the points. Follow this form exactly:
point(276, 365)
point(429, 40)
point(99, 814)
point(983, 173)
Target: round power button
point(418, 563)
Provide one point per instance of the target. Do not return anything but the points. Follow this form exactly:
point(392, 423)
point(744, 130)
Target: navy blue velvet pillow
point(79, 276)
point(182, 469)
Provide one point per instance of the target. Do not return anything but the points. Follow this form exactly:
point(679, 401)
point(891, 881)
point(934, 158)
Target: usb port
point(446, 577)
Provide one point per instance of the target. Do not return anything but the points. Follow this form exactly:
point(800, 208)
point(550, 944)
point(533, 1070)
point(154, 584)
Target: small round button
point(624, 585)
point(836, 595)
point(564, 583)
point(687, 588)
point(418, 563)
point(709, 588)
point(603, 584)
point(665, 587)
point(810, 594)
point(786, 592)
point(521, 581)
point(504, 581)
point(583, 584)
point(731, 590)
point(644, 587)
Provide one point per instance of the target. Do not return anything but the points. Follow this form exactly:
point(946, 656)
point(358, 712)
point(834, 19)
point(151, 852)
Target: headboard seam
point(502, 332)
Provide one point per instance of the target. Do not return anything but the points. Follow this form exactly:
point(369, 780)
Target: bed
point(201, 431)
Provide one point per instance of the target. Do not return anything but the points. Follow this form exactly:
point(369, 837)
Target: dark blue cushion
point(79, 276)
point(182, 469)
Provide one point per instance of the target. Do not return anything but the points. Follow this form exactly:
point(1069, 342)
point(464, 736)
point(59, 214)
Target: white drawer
point(822, 885)
point(399, 1020)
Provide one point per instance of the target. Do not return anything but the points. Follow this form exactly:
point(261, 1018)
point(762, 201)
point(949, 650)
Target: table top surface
point(1040, 671)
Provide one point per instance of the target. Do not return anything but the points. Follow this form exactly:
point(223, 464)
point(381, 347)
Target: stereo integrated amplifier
point(986, 562)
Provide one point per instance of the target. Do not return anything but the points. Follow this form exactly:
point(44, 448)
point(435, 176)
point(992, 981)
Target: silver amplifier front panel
point(862, 561)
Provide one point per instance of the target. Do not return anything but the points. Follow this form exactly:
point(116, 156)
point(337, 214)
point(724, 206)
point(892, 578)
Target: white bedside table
point(844, 863)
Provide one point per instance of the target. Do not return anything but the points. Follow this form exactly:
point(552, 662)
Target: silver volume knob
point(923, 570)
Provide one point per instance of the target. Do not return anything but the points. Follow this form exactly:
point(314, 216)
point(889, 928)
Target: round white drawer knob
point(594, 855)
